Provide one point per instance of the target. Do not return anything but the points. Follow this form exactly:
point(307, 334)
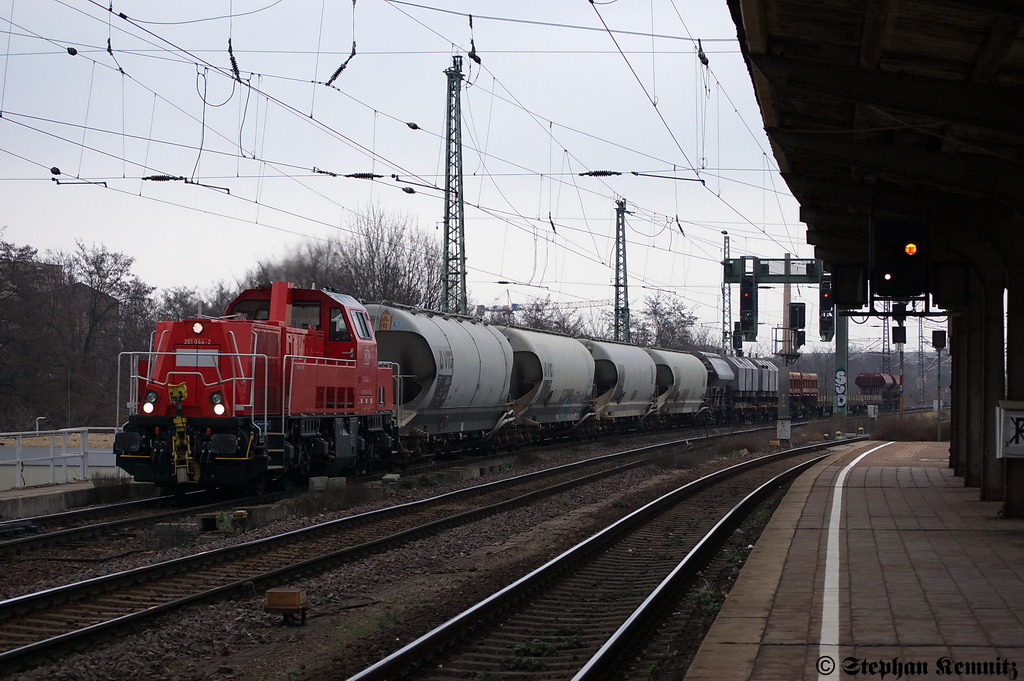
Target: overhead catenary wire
point(560, 125)
point(529, 22)
point(484, 209)
point(517, 213)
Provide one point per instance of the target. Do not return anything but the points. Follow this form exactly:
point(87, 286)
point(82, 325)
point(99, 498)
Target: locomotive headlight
point(149, 402)
point(217, 399)
point(197, 328)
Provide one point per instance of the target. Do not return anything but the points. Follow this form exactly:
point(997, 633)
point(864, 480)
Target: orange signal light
point(910, 248)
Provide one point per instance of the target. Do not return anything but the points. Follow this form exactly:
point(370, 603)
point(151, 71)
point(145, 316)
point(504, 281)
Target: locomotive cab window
point(306, 314)
point(362, 325)
point(256, 310)
point(339, 328)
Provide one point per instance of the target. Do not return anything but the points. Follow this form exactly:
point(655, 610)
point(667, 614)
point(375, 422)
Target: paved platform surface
point(909, 577)
point(27, 502)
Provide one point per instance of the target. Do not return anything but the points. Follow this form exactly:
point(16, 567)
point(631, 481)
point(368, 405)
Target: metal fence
point(53, 456)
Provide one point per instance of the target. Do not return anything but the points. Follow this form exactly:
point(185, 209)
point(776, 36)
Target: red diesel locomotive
point(284, 386)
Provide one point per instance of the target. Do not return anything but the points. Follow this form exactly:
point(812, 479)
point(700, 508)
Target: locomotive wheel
point(258, 486)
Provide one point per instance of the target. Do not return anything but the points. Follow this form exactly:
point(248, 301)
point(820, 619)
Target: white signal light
point(197, 328)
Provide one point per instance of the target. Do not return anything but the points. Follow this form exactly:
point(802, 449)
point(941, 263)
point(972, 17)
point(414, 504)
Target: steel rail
point(33, 602)
point(43, 538)
point(601, 663)
point(419, 652)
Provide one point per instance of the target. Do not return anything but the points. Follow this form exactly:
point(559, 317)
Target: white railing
point(54, 449)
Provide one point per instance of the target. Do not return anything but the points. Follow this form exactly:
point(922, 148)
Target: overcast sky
point(562, 88)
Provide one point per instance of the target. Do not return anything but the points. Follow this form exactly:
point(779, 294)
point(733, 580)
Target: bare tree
point(21, 351)
point(821, 361)
point(310, 264)
point(178, 303)
point(99, 309)
point(544, 315)
point(385, 257)
point(181, 302)
point(664, 324)
point(63, 322)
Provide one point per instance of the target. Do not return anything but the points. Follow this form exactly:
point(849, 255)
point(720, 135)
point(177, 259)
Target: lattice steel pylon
point(886, 357)
point(920, 360)
point(453, 276)
point(726, 303)
point(621, 285)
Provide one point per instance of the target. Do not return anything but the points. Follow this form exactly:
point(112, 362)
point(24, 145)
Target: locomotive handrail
point(134, 376)
point(252, 372)
point(288, 379)
point(397, 390)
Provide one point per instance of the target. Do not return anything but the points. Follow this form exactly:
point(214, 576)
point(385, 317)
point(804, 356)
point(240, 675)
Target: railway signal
point(748, 308)
point(899, 258)
point(826, 310)
point(825, 301)
point(797, 322)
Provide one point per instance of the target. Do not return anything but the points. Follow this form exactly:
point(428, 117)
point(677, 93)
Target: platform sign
point(1010, 429)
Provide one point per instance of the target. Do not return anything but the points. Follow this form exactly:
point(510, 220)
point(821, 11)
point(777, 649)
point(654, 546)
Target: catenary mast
point(453, 282)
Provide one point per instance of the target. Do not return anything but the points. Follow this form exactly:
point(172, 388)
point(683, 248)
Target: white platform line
point(828, 642)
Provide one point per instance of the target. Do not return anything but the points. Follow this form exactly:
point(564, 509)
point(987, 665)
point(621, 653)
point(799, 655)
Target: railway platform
point(878, 564)
point(27, 502)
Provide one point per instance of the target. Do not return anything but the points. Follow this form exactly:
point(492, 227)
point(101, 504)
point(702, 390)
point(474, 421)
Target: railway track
point(582, 610)
point(78, 529)
point(111, 520)
point(60, 619)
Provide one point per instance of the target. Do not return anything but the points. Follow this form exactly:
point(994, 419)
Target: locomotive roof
point(342, 298)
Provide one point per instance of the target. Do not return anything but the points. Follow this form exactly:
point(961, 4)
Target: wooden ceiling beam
point(984, 176)
point(988, 106)
point(810, 188)
point(1000, 41)
point(877, 22)
point(1011, 8)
